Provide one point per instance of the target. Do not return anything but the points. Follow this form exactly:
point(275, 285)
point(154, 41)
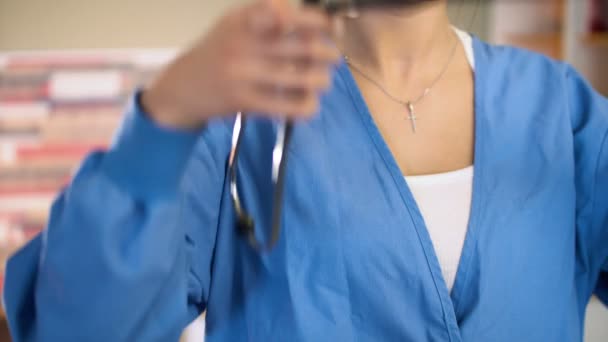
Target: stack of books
point(55, 108)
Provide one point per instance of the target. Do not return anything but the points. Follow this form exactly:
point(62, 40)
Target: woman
point(447, 190)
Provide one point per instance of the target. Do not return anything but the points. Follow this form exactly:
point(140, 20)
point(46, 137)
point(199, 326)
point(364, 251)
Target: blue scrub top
point(143, 240)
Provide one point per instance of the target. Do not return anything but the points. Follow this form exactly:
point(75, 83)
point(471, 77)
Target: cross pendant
point(412, 115)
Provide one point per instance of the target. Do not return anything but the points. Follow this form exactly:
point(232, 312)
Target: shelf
point(596, 39)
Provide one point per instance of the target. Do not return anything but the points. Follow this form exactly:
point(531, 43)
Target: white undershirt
point(444, 201)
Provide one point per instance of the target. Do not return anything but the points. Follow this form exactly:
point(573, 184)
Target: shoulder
point(535, 81)
point(509, 62)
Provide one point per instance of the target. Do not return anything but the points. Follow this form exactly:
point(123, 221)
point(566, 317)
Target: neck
point(398, 40)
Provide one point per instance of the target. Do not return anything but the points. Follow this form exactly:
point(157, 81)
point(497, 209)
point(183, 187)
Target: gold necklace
point(408, 104)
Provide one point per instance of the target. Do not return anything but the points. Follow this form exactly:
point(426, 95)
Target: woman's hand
point(267, 57)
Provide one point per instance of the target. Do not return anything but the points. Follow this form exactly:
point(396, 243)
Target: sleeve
point(590, 125)
point(601, 214)
point(115, 262)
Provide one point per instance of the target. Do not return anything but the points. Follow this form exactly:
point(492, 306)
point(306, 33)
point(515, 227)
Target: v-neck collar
point(451, 304)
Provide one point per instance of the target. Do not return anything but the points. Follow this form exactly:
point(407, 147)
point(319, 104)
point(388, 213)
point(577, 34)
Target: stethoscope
point(245, 223)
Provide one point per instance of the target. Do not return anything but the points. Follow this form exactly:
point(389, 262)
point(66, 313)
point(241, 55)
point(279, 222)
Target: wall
point(591, 59)
point(471, 15)
point(59, 24)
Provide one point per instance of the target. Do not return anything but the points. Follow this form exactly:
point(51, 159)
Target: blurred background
point(67, 67)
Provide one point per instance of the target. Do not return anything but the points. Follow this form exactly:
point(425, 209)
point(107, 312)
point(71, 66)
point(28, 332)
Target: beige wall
point(61, 24)
point(590, 59)
point(58, 24)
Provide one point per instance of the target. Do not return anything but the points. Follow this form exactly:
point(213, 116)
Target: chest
point(354, 241)
point(355, 258)
point(433, 135)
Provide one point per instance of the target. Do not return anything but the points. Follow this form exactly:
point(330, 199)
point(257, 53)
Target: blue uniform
point(143, 240)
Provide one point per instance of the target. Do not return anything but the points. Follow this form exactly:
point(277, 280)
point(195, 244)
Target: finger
point(310, 19)
point(315, 49)
point(281, 103)
point(282, 9)
point(266, 17)
point(278, 17)
point(306, 77)
point(289, 74)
